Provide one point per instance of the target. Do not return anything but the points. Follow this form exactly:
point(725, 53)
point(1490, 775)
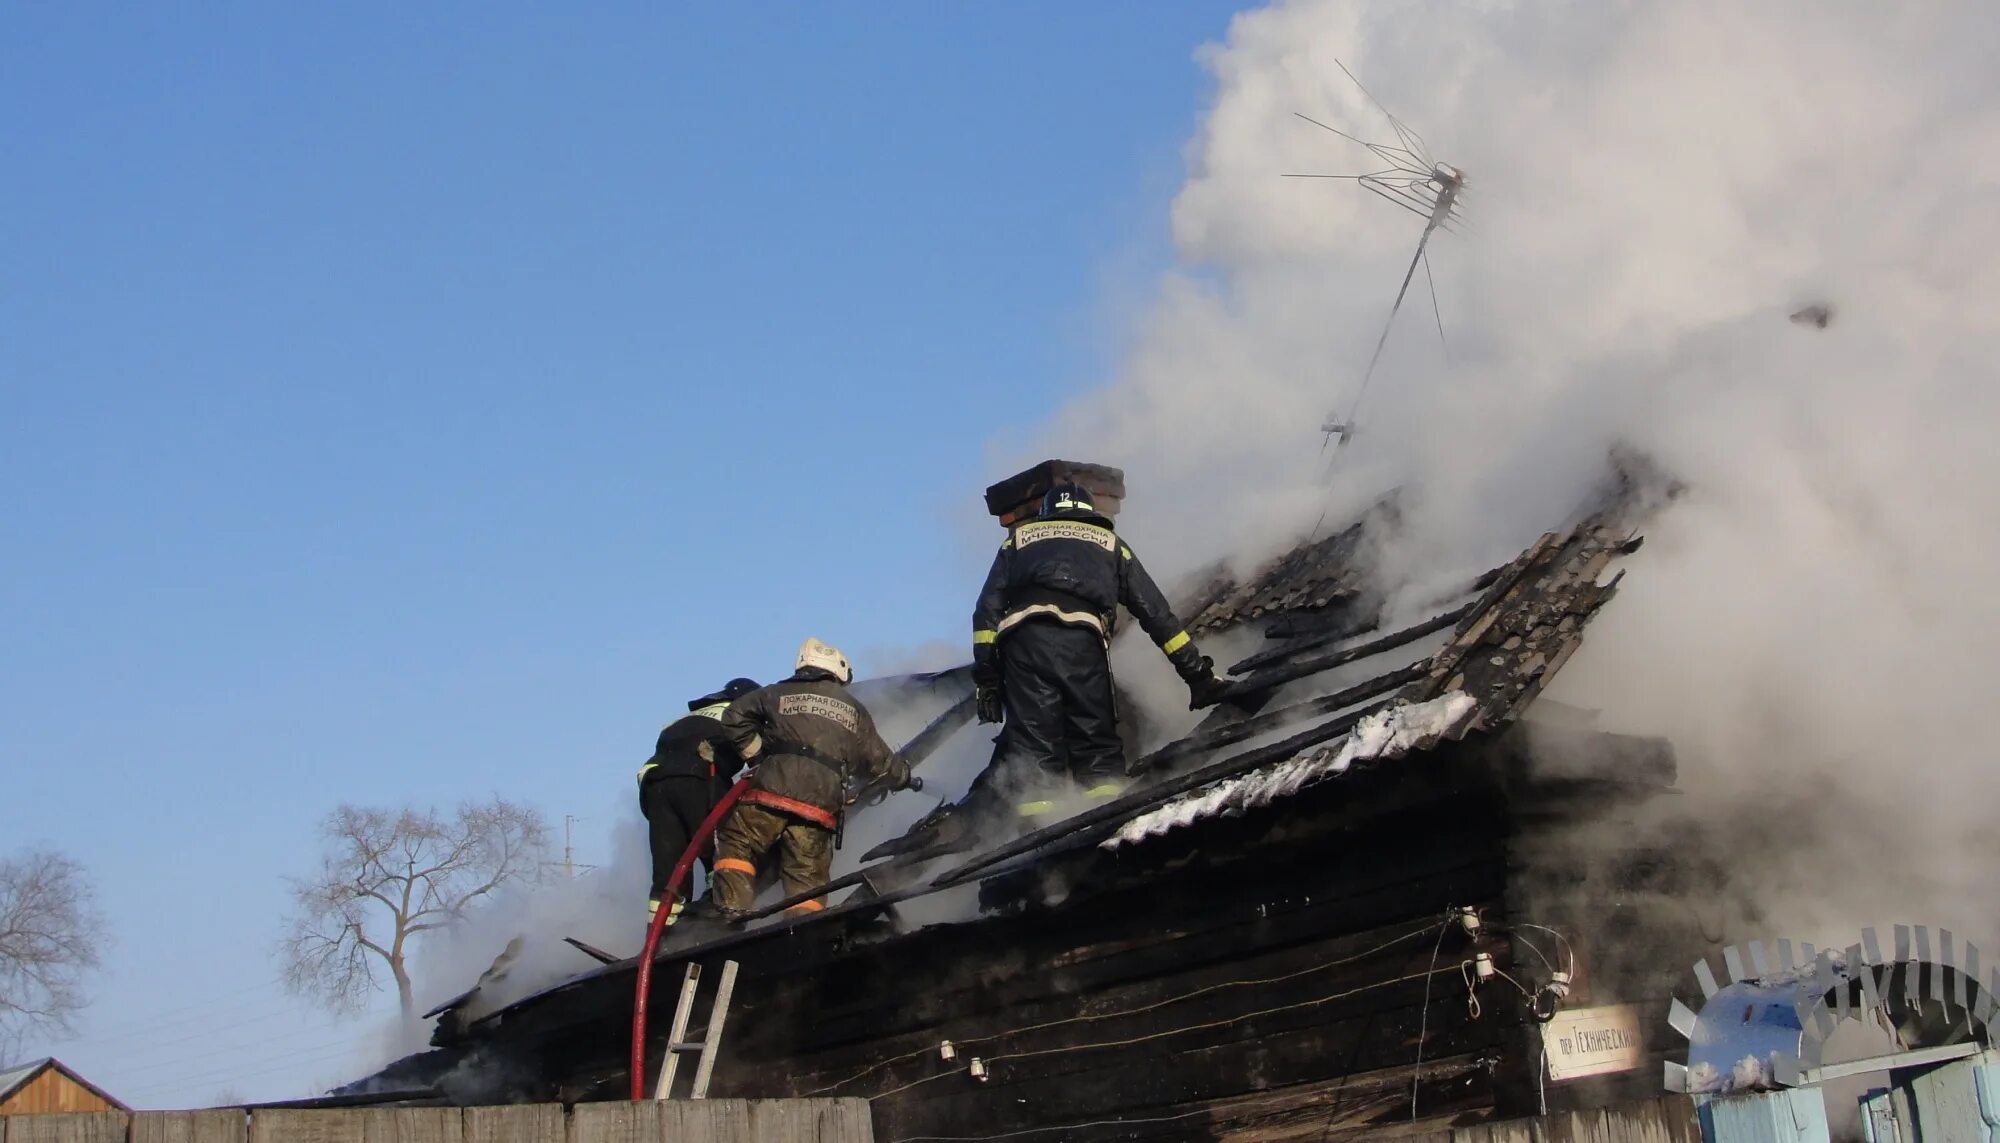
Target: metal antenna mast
point(1418, 183)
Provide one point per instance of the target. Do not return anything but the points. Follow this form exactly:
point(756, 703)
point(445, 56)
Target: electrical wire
point(931, 1047)
point(1150, 1036)
point(1057, 1127)
point(1424, 1017)
point(1532, 947)
point(1562, 945)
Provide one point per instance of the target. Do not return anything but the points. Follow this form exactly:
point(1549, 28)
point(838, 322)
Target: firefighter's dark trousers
point(743, 848)
point(1062, 718)
point(674, 806)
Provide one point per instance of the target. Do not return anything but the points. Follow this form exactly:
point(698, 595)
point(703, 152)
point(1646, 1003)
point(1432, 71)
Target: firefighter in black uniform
point(1039, 637)
point(692, 766)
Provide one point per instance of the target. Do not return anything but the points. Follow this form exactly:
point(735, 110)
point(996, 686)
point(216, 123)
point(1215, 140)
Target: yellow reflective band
point(1126, 552)
point(648, 766)
point(1105, 790)
point(1176, 643)
point(979, 637)
point(1030, 809)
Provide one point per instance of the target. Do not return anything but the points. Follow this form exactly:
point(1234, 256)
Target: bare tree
point(50, 936)
point(388, 876)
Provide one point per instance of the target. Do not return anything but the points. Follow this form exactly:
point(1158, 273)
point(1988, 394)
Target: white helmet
point(813, 653)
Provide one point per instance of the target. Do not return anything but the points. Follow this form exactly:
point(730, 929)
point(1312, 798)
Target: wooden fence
point(673, 1121)
point(1669, 1119)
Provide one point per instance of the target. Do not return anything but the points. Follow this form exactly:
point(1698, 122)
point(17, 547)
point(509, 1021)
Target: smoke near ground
point(1651, 190)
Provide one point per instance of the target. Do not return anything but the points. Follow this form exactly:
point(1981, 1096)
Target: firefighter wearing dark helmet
point(1039, 637)
point(693, 764)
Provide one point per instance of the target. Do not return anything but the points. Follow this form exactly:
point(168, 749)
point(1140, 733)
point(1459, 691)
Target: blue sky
point(402, 405)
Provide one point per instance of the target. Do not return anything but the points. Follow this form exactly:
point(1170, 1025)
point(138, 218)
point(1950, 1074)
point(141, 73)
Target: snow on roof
point(1387, 733)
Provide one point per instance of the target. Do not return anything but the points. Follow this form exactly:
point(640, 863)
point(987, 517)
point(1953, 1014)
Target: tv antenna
point(1415, 181)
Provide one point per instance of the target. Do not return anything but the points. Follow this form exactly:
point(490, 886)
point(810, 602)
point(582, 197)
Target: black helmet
point(731, 691)
point(1070, 502)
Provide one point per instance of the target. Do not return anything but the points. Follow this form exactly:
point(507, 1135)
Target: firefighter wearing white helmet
point(808, 738)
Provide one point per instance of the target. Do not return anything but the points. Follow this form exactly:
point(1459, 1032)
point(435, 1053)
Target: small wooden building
point(48, 1087)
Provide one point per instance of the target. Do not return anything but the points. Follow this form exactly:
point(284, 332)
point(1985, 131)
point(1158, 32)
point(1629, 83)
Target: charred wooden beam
point(1299, 642)
point(1277, 676)
point(592, 951)
point(926, 741)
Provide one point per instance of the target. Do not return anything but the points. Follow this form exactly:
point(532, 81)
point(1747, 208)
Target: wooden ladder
point(677, 1042)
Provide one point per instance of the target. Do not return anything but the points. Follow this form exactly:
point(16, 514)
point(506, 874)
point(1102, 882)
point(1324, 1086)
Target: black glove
point(985, 665)
point(987, 697)
point(1198, 672)
point(1206, 690)
point(899, 774)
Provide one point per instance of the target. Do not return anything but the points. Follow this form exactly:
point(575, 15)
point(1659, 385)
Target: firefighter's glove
point(1206, 691)
point(987, 698)
point(985, 665)
point(899, 774)
point(1198, 672)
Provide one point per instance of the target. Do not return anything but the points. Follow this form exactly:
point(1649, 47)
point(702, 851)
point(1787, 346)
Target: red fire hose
point(660, 915)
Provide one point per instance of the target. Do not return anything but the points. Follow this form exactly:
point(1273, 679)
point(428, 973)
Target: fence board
point(527, 1123)
point(222, 1126)
point(618, 1122)
point(811, 1120)
point(76, 1127)
point(291, 1126)
point(718, 1119)
point(413, 1125)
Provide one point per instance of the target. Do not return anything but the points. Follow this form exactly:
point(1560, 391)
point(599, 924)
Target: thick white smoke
point(1651, 190)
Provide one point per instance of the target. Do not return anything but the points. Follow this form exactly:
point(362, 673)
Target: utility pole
point(569, 865)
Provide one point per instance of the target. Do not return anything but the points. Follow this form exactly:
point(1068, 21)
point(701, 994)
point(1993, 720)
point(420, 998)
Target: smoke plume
point(1653, 190)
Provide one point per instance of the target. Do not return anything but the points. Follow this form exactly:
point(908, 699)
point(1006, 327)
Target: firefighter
point(809, 739)
point(693, 764)
point(1040, 633)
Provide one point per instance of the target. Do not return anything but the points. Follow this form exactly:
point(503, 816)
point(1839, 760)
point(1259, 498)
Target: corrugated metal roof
point(12, 1079)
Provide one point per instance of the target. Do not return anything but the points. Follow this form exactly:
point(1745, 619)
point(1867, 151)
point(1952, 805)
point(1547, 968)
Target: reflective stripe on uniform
point(735, 865)
point(1030, 809)
point(807, 907)
point(1105, 790)
point(646, 767)
point(1094, 534)
point(1176, 643)
point(979, 637)
point(792, 806)
point(1076, 618)
point(712, 710)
